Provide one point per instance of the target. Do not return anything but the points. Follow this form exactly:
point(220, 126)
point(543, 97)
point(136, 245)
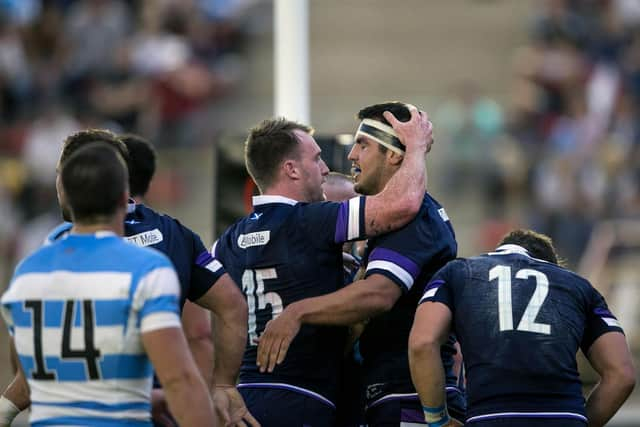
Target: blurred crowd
point(151, 67)
point(565, 150)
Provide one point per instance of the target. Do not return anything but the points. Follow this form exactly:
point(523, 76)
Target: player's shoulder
point(142, 256)
point(145, 219)
point(38, 261)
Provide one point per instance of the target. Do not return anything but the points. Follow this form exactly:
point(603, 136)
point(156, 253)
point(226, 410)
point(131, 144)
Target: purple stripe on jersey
point(434, 284)
point(411, 416)
point(342, 222)
point(204, 259)
point(385, 254)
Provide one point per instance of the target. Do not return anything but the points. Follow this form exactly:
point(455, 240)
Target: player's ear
point(290, 168)
point(124, 199)
point(394, 158)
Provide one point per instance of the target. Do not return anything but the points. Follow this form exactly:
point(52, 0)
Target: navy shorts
point(274, 407)
point(396, 411)
point(528, 422)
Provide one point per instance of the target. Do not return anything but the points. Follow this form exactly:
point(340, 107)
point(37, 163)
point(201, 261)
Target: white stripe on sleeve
point(353, 229)
point(403, 275)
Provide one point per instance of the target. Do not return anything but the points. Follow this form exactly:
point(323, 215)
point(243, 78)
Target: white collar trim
point(512, 248)
point(263, 200)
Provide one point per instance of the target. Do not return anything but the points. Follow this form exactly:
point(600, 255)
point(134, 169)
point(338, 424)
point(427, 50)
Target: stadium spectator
point(520, 318)
point(386, 295)
point(63, 277)
point(290, 248)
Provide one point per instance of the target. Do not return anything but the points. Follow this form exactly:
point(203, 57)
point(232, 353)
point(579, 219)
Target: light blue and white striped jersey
point(77, 310)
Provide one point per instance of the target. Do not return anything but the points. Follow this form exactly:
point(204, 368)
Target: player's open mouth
point(355, 171)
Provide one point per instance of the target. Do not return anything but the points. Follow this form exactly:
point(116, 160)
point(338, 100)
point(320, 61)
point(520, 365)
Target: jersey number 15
point(257, 299)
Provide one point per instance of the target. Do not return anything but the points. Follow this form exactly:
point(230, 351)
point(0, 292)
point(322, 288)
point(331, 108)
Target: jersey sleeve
point(156, 299)
point(335, 222)
point(205, 270)
point(443, 285)
point(599, 321)
point(401, 255)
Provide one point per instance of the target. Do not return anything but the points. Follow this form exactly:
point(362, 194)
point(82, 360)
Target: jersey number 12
point(505, 310)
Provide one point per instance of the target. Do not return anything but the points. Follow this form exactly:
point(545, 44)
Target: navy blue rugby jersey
point(520, 322)
point(409, 257)
point(283, 252)
point(196, 268)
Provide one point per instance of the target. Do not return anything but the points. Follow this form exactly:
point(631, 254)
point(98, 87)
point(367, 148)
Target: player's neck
point(113, 224)
point(284, 191)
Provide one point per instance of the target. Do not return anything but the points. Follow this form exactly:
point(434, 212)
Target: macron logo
point(443, 214)
point(147, 238)
point(259, 238)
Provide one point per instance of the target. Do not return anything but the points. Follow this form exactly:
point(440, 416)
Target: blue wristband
point(436, 416)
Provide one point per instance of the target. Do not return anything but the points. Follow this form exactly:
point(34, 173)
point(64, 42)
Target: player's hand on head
point(275, 340)
point(416, 133)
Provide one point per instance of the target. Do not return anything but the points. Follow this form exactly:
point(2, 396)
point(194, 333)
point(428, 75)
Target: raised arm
point(400, 200)
point(610, 357)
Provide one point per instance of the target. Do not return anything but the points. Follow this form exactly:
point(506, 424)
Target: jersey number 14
point(505, 310)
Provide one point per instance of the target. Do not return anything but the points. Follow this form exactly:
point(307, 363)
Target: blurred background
point(535, 105)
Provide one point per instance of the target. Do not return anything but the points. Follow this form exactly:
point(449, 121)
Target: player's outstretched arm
point(430, 330)
point(610, 357)
point(196, 323)
point(185, 391)
point(354, 303)
point(400, 200)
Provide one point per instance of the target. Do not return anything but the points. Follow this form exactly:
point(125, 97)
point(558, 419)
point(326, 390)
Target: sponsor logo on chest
point(259, 238)
point(146, 238)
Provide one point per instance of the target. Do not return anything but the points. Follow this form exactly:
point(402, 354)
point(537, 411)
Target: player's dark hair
point(538, 245)
point(267, 145)
point(400, 110)
point(94, 179)
point(142, 163)
point(79, 139)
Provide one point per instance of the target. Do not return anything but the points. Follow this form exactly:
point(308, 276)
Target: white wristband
point(8, 411)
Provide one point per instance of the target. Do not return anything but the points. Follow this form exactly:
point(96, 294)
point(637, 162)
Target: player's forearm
point(353, 303)
point(607, 397)
point(202, 351)
point(189, 400)
point(229, 340)
point(18, 392)
point(427, 373)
